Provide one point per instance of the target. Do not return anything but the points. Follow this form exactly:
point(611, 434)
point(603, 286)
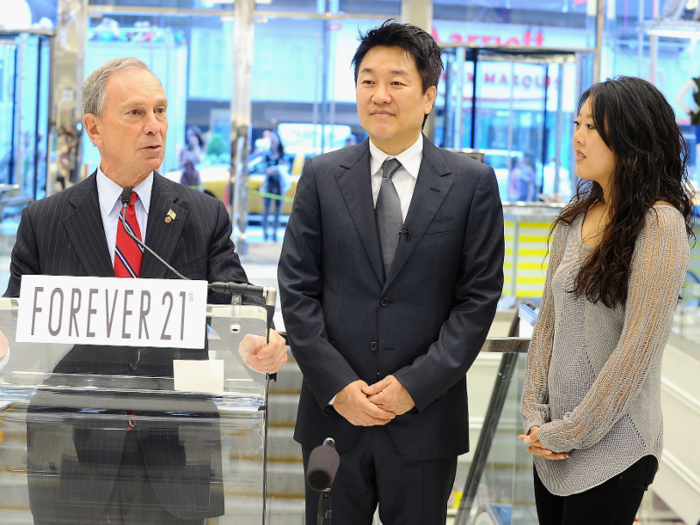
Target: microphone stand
point(270, 295)
point(230, 288)
point(324, 514)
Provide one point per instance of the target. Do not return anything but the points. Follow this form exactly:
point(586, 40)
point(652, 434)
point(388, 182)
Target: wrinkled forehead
point(134, 85)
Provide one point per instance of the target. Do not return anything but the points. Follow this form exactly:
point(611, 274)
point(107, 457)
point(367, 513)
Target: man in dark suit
point(128, 466)
point(390, 273)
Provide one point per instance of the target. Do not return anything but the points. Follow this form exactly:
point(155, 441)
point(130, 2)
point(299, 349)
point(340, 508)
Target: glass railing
point(498, 489)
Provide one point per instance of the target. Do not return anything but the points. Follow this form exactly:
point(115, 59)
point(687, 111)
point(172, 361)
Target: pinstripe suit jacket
point(72, 467)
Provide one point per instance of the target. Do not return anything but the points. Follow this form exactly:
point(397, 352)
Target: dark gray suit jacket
point(425, 323)
point(72, 466)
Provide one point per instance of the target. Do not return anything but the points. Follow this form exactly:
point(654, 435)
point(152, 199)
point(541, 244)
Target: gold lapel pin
point(170, 216)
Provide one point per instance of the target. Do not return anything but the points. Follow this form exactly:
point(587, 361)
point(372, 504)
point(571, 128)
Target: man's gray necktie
point(389, 217)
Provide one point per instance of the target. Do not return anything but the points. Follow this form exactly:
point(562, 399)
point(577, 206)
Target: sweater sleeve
point(534, 410)
point(659, 265)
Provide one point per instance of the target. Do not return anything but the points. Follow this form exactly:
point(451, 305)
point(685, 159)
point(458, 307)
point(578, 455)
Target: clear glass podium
point(147, 434)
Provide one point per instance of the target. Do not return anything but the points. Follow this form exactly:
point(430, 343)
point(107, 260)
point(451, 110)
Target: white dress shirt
point(405, 177)
point(109, 193)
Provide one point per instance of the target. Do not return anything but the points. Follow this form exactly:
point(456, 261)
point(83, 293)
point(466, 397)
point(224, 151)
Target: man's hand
point(536, 447)
point(353, 405)
point(268, 358)
point(390, 395)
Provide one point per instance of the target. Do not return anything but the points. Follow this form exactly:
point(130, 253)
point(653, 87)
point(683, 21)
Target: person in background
point(276, 184)
point(191, 177)
point(693, 87)
point(525, 176)
point(591, 405)
point(195, 147)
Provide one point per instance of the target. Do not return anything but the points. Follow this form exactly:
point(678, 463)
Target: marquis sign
point(111, 311)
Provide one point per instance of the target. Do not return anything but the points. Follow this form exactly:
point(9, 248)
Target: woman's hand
point(536, 447)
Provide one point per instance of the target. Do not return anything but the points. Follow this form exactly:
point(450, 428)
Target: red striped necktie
point(127, 254)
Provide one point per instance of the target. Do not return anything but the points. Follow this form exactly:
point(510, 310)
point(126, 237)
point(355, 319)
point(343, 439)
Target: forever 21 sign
point(98, 310)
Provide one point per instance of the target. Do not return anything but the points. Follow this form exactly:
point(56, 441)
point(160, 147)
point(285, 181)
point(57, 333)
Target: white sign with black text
point(111, 311)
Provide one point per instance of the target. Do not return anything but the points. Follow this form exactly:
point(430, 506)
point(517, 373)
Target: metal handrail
point(510, 347)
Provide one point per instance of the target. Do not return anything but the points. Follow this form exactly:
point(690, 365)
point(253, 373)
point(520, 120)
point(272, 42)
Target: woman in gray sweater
point(619, 253)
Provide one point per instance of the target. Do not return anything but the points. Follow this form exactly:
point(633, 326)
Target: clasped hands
point(536, 447)
point(369, 405)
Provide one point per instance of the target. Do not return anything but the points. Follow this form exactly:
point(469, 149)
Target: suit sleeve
point(25, 258)
point(478, 288)
point(301, 287)
point(224, 265)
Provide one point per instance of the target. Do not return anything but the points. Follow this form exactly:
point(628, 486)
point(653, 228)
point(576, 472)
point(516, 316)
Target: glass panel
point(509, 115)
point(24, 101)
point(168, 4)
point(63, 444)
point(8, 55)
point(193, 59)
point(495, 494)
point(24, 93)
point(564, 24)
point(385, 7)
point(26, 14)
point(678, 62)
point(524, 511)
point(303, 88)
point(524, 106)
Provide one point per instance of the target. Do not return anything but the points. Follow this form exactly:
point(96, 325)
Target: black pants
point(615, 502)
point(133, 501)
point(274, 185)
point(373, 471)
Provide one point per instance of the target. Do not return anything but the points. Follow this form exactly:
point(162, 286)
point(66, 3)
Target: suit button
point(384, 301)
point(373, 346)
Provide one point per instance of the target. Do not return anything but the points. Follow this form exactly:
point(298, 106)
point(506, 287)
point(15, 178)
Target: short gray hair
point(93, 94)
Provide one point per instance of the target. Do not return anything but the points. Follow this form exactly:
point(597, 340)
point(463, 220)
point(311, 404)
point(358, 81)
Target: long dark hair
point(280, 146)
point(651, 159)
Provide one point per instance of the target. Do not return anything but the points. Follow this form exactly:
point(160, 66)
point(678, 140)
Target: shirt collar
point(409, 158)
point(110, 192)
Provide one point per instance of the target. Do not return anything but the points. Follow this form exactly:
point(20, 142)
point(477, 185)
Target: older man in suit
point(124, 468)
point(390, 274)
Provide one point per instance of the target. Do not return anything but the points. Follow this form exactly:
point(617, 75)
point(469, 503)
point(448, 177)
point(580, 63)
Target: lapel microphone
point(230, 288)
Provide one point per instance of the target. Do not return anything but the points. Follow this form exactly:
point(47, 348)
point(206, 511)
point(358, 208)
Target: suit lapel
point(161, 236)
point(354, 180)
point(432, 185)
point(86, 231)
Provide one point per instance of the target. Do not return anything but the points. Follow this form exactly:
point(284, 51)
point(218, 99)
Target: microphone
point(323, 466)
point(126, 199)
point(407, 233)
point(230, 288)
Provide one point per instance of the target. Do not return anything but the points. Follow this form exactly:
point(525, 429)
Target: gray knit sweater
point(593, 375)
